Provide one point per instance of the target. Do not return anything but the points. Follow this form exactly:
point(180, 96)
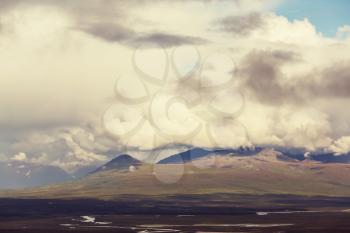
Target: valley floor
point(182, 213)
point(292, 222)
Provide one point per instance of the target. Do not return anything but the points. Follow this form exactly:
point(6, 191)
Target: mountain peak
point(124, 157)
point(121, 162)
point(270, 154)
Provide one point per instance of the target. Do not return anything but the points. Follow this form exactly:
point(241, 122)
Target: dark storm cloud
point(261, 72)
point(263, 76)
point(168, 40)
point(335, 81)
point(242, 25)
point(116, 33)
point(109, 32)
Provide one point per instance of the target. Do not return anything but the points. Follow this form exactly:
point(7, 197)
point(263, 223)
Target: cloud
point(117, 33)
point(167, 40)
point(334, 81)
point(263, 76)
point(68, 148)
point(343, 32)
point(340, 146)
point(279, 83)
point(242, 25)
point(112, 24)
point(109, 32)
point(20, 157)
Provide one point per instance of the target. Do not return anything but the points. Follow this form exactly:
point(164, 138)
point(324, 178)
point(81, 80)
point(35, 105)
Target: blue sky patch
point(326, 15)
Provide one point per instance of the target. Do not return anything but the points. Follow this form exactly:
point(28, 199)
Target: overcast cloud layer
point(81, 81)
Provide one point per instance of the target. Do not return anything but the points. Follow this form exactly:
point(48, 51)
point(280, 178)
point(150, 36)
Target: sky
point(83, 81)
point(326, 16)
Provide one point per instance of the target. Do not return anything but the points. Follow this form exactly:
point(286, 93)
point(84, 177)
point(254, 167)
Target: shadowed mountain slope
point(197, 153)
point(122, 163)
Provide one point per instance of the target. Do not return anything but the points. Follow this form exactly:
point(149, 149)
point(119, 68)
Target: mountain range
point(19, 174)
point(203, 171)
